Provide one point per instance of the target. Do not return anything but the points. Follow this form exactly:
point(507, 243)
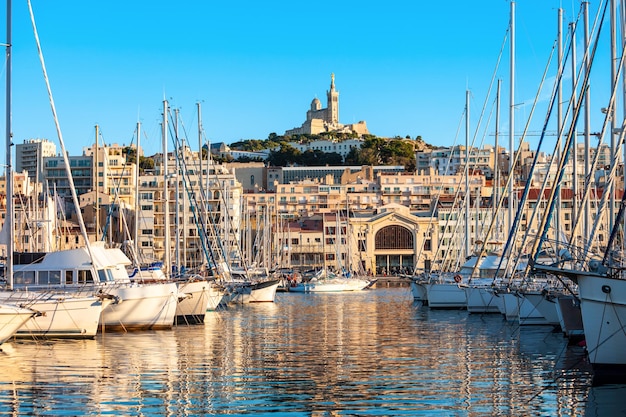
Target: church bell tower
point(333, 103)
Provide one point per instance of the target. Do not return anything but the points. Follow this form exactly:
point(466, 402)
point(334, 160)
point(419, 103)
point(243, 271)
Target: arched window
point(394, 237)
point(251, 180)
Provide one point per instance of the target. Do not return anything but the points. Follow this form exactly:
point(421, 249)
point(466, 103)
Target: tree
point(145, 164)
point(285, 156)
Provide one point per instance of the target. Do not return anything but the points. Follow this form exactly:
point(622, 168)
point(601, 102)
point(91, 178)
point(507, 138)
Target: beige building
point(203, 212)
point(30, 154)
point(113, 174)
point(389, 240)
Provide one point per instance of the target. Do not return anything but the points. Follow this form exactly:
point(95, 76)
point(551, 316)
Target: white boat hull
point(141, 306)
point(62, 316)
point(419, 292)
point(12, 318)
point(446, 295)
point(546, 307)
point(264, 292)
point(194, 297)
point(216, 296)
point(603, 308)
point(481, 300)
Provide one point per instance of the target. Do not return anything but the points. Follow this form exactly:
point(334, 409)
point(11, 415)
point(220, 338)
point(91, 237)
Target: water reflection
point(370, 353)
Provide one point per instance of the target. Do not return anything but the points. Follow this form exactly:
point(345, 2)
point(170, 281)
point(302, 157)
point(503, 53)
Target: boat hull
point(419, 292)
point(481, 300)
point(141, 306)
point(546, 305)
point(603, 308)
point(264, 291)
point(12, 318)
point(62, 315)
point(194, 297)
point(446, 296)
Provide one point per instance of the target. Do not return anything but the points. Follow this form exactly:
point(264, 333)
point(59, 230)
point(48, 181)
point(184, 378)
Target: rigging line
point(70, 179)
point(200, 225)
point(435, 204)
point(587, 189)
point(230, 225)
point(510, 177)
point(544, 185)
point(543, 227)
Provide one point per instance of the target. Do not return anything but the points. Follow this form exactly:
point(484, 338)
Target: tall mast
point(137, 194)
point(9, 168)
point(611, 188)
point(559, 125)
point(467, 160)
point(177, 150)
point(512, 117)
point(587, 202)
point(574, 136)
point(496, 172)
point(166, 198)
point(97, 188)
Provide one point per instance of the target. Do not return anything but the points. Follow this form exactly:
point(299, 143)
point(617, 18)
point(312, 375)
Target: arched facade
point(394, 237)
point(394, 249)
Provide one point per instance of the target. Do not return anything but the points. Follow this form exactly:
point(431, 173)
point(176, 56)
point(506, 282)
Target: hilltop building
point(319, 120)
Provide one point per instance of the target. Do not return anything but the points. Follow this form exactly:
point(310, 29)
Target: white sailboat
point(346, 278)
point(12, 318)
point(62, 314)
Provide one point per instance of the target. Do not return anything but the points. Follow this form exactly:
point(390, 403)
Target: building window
point(394, 237)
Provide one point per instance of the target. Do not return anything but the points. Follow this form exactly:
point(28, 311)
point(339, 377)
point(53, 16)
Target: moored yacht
point(137, 305)
point(12, 318)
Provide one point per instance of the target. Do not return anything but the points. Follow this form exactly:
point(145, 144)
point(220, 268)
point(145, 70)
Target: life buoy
point(457, 278)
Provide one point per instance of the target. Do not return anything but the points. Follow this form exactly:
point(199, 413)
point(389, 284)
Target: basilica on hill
point(319, 120)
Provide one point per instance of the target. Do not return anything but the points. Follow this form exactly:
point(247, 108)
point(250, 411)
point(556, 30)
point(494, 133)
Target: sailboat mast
point(177, 156)
point(166, 197)
point(512, 116)
point(9, 166)
point(496, 162)
point(559, 121)
point(587, 202)
point(97, 188)
point(467, 160)
point(611, 187)
point(137, 195)
point(574, 136)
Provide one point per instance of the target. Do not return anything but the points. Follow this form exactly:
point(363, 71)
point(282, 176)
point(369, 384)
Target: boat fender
point(457, 278)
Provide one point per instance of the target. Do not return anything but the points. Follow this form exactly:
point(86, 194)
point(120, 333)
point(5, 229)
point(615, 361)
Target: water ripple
point(373, 353)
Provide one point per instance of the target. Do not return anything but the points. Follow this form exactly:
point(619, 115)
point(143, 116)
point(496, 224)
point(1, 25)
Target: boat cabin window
point(85, 276)
point(69, 277)
point(105, 275)
point(49, 277)
point(24, 277)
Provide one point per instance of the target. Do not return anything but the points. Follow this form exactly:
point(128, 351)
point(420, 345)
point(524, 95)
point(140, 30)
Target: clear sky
point(403, 66)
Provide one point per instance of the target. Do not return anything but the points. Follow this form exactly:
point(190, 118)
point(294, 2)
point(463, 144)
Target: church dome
point(316, 104)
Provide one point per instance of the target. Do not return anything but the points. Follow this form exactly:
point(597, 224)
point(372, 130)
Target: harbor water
point(371, 353)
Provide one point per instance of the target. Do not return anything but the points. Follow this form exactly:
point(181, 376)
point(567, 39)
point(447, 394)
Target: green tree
point(286, 155)
point(145, 163)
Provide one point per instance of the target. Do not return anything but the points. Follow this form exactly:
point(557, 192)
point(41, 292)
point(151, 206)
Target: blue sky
point(403, 66)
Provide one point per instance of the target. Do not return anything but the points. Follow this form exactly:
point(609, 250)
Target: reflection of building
point(319, 120)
